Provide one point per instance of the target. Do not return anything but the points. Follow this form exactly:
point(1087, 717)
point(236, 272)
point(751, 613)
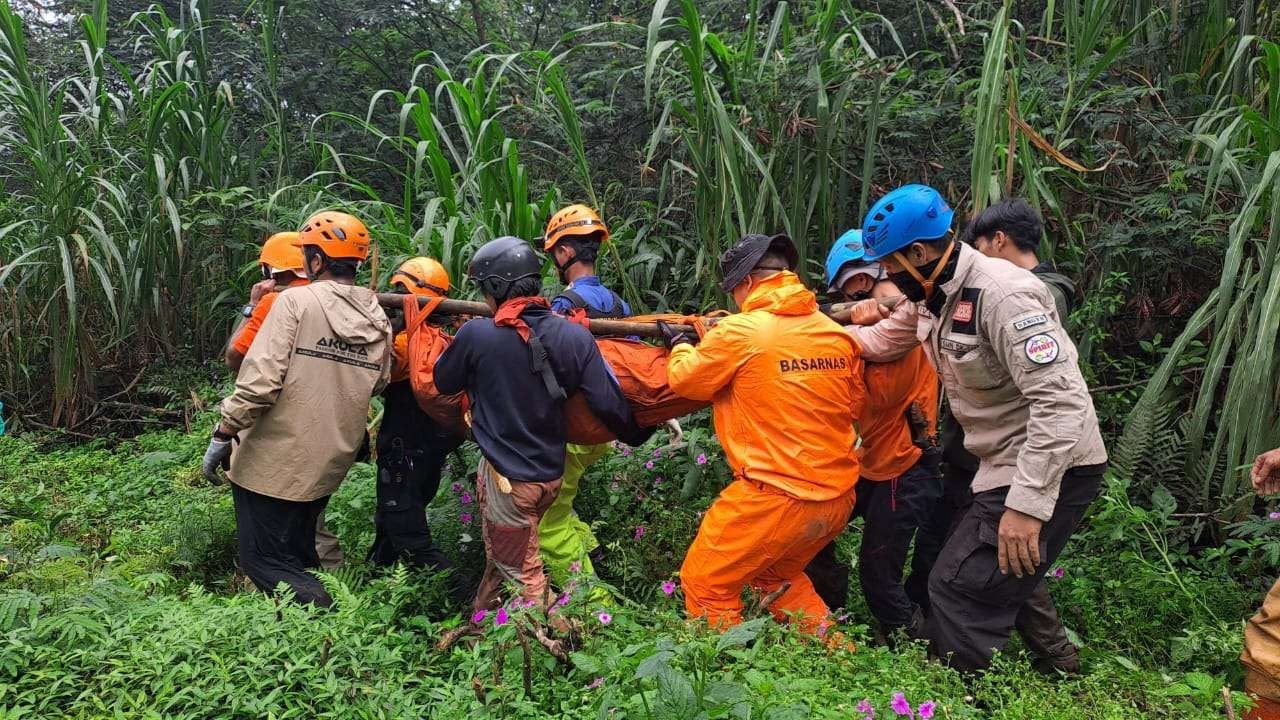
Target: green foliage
point(112, 600)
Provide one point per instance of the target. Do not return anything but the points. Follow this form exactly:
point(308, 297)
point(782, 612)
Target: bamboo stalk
point(623, 328)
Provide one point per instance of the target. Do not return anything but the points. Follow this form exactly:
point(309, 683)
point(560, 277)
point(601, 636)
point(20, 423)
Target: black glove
point(396, 316)
point(672, 337)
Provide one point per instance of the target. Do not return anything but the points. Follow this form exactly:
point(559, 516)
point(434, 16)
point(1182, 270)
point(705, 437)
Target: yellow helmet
point(573, 221)
point(422, 276)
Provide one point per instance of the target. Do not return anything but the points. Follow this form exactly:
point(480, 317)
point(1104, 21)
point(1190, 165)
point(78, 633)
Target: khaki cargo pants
point(1261, 656)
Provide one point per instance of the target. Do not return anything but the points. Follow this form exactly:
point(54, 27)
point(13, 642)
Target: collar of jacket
point(585, 281)
point(781, 294)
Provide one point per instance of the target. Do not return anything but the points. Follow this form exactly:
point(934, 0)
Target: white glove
point(218, 455)
point(677, 434)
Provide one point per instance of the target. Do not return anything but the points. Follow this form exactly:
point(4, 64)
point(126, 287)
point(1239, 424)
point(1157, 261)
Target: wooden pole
point(621, 328)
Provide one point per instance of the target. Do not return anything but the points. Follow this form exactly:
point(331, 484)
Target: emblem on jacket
point(1042, 349)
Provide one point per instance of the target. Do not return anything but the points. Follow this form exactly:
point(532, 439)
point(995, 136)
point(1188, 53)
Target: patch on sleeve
point(964, 312)
point(1032, 321)
point(1042, 349)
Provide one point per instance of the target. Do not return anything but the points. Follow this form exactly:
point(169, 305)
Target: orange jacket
point(249, 330)
point(785, 385)
point(400, 353)
point(887, 450)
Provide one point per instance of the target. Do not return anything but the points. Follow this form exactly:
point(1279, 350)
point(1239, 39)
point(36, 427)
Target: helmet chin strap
point(928, 285)
point(563, 270)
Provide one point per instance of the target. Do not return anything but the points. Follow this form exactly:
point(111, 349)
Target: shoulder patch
point(1032, 321)
point(1042, 349)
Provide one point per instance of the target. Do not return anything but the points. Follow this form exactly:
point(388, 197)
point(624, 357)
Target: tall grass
point(104, 172)
point(748, 169)
point(1237, 401)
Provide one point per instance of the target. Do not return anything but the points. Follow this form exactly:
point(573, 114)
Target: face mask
point(917, 283)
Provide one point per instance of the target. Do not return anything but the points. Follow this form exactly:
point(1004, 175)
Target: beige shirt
point(1011, 376)
point(302, 396)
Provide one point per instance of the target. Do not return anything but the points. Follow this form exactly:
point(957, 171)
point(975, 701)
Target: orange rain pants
point(756, 535)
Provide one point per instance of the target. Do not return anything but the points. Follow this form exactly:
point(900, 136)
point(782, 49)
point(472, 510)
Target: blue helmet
point(848, 248)
point(911, 213)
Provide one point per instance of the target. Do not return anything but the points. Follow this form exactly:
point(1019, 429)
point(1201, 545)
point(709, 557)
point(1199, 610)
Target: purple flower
point(575, 566)
point(668, 587)
point(465, 518)
point(456, 488)
point(479, 616)
point(465, 499)
point(648, 465)
point(657, 452)
point(1057, 572)
point(657, 481)
point(594, 684)
point(864, 707)
point(501, 617)
point(604, 618)
point(926, 709)
point(701, 459)
point(562, 600)
point(900, 706)
point(1274, 515)
point(639, 532)
point(626, 452)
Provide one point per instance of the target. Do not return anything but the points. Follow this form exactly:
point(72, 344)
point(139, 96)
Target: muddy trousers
point(277, 543)
point(758, 536)
point(891, 511)
point(975, 607)
point(1261, 657)
point(509, 524)
point(563, 537)
point(1037, 623)
point(327, 547)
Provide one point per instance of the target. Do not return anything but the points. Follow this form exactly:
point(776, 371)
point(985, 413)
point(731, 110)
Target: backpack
point(580, 303)
point(426, 343)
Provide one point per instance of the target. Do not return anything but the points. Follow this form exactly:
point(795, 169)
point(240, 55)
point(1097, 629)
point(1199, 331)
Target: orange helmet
point(337, 234)
point(422, 276)
point(575, 220)
point(279, 253)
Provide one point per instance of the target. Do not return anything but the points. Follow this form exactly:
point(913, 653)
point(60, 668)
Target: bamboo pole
point(622, 328)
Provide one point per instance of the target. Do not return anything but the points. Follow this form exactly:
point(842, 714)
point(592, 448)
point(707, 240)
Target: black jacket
point(516, 422)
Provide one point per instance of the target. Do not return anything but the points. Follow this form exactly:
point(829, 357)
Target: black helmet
point(738, 261)
point(501, 262)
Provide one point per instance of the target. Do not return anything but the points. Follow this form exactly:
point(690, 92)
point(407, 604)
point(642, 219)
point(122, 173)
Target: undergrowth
point(119, 598)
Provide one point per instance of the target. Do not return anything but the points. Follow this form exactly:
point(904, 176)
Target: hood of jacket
point(782, 294)
point(353, 312)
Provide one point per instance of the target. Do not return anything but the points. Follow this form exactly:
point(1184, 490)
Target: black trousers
point(975, 608)
point(277, 543)
point(412, 450)
point(892, 511)
point(1037, 623)
point(936, 525)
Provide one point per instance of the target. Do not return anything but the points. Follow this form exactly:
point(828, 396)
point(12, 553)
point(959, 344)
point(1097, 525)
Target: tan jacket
point(1011, 377)
point(302, 395)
